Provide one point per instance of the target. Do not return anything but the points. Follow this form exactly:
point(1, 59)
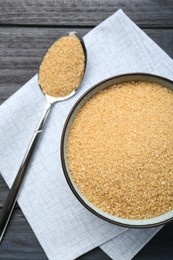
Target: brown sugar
point(62, 67)
point(120, 150)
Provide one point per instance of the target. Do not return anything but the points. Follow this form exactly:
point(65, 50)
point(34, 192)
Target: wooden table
point(27, 27)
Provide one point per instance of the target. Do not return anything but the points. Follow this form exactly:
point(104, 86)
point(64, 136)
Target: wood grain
point(146, 13)
point(19, 241)
point(21, 49)
point(27, 27)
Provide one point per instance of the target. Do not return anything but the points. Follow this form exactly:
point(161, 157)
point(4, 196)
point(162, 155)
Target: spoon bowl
point(70, 59)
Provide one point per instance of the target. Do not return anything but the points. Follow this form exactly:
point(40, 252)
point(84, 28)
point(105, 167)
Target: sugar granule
point(120, 150)
point(62, 67)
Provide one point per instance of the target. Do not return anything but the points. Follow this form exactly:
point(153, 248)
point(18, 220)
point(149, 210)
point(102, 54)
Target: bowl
point(133, 223)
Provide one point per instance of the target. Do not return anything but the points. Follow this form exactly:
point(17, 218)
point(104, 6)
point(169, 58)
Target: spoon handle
point(14, 191)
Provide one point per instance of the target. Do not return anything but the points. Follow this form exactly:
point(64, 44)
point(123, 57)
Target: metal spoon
point(13, 193)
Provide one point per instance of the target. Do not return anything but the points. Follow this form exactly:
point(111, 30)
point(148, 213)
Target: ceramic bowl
point(151, 222)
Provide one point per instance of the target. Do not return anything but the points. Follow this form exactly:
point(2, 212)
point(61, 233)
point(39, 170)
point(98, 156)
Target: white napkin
point(64, 228)
point(127, 244)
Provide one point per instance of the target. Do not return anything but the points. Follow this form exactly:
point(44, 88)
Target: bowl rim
point(62, 150)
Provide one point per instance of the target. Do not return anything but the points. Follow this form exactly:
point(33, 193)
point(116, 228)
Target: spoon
point(67, 70)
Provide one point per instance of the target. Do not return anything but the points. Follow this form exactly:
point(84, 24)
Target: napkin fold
point(64, 228)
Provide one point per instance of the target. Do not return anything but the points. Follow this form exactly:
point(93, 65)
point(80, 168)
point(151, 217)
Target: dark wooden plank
point(19, 241)
point(85, 12)
point(95, 254)
point(21, 50)
point(160, 247)
point(3, 191)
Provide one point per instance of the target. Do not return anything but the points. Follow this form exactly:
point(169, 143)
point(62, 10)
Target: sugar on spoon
point(60, 74)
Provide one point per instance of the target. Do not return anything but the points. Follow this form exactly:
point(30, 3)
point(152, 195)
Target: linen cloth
point(64, 228)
